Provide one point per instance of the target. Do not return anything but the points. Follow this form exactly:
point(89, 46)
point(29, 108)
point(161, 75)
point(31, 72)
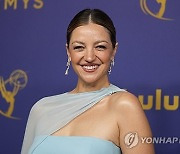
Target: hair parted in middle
point(95, 16)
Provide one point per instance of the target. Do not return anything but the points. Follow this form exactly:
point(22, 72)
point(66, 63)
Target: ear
point(114, 51)
point(68, 52)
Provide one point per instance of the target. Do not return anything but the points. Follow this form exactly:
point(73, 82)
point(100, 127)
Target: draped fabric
point(52, 113)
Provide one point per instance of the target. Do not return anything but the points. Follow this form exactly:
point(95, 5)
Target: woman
point(95, 117)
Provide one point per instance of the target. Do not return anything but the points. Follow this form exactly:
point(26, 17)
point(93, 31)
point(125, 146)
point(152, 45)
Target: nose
point(89, 55)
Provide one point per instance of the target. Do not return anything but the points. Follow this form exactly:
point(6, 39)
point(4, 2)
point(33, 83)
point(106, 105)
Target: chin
point(89, 80)
point(92, 78)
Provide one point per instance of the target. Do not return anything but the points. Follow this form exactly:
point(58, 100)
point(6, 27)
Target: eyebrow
point(78, 42)
point(100, 41)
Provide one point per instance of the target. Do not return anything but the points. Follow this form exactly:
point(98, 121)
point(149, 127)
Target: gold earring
point(68, 65)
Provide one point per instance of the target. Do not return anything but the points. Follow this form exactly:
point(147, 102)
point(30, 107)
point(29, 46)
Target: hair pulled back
point(95, 16)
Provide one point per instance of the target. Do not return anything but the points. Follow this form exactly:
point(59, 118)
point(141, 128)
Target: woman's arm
point(133, 125)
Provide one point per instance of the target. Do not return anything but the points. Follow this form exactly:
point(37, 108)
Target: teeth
point(90, 67)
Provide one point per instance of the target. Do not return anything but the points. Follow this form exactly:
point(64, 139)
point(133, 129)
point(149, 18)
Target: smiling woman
point(90, 51)
point(96, 115)
point(91, 47)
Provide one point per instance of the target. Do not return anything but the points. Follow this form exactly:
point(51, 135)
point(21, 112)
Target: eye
point(78, 48)
point(101, 47)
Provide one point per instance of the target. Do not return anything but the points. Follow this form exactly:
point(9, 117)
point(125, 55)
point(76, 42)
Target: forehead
point(89, 32)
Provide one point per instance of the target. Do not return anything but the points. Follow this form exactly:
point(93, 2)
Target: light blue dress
point(52, 113)
point(75, 145)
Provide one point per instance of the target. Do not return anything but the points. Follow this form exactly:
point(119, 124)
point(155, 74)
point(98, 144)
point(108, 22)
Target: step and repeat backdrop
point(33, 61)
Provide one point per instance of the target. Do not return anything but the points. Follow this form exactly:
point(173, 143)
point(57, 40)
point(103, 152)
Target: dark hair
point(96, 16)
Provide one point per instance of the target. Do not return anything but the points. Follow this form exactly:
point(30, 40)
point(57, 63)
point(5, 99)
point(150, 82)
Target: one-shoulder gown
point(74, 145)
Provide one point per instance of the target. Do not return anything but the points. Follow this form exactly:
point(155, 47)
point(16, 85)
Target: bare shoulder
point(126, 106)
point(130, 117)
point(125, 101)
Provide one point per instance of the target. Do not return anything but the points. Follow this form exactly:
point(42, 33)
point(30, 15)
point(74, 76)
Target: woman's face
point(90, 51)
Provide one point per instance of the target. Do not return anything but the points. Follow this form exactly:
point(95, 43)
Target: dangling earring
point(68, 65)
point(112, 64)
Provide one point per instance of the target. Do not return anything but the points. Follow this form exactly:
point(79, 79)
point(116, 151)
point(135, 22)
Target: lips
point(90, 68)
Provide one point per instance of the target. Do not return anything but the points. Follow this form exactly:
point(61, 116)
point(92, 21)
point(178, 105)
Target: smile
point(90, 68)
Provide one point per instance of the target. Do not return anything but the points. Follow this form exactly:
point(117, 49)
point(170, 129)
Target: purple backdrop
point(32, 51)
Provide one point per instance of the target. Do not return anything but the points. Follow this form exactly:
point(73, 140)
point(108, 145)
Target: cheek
point(75, 57)
point(105, 57)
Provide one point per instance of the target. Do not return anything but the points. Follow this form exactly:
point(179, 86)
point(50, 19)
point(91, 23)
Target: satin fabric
point(52, 113)
point(74, 145)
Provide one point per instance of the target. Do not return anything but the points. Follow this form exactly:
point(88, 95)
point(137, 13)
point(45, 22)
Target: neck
point(86, 87)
